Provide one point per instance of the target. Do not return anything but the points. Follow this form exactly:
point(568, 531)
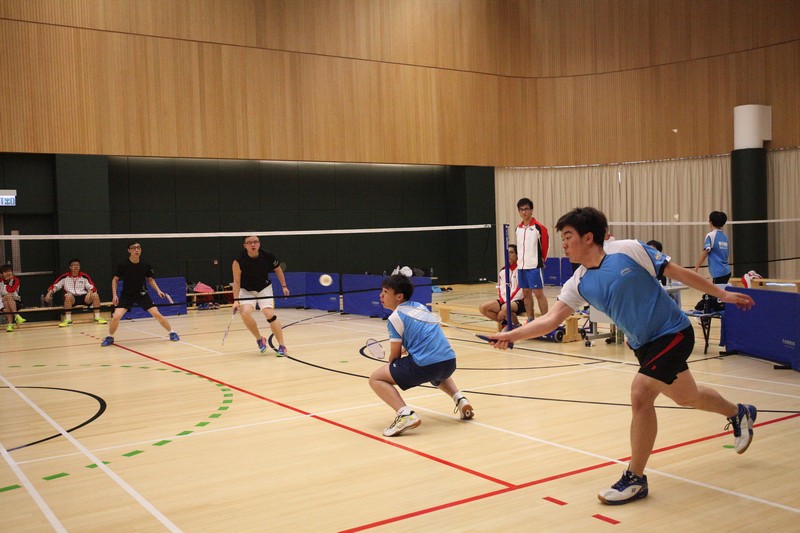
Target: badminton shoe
point(100, 320)
point(282, 351)
point(65, 324)
point(464, 408)
point(742, 424)
point(401, 424)
point(10, 328)
point(108, 341)
point(630, 487)
point(174, 337)
point(262, 344)
point(19, 320)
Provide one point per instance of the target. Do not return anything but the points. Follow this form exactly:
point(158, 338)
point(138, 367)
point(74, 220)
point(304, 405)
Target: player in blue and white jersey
point(620, 280)
point(429, 358)
point(716, 248)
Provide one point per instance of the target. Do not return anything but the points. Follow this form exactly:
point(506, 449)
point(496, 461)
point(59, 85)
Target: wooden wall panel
point(525, 38)
point(67, 89)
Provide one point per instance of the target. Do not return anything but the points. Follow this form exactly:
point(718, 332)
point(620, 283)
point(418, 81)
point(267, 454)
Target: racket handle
point(492, 341)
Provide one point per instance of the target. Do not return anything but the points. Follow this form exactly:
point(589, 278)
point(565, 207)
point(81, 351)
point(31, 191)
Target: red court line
point(509, 486)
point(329, 421)
point(546, 479)
point(605, 519)
point(554, 500)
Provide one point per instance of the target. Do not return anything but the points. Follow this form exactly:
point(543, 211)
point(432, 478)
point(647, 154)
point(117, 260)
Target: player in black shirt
point(251, 286)
point(134, 274)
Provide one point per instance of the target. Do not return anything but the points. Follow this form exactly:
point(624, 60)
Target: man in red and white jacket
point(78, 288)
point(496, 309)
point(9, 297)
point(532, 242)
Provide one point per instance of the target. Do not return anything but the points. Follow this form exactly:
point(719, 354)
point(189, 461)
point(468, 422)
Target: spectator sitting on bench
point(78, 288)
point(11, 300)
point(496, 309)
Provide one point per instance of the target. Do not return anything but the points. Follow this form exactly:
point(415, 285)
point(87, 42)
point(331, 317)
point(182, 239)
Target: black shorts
point(664, 358)
point(520, 305)
point(80, 299)
point(406, 373)
point(722, 279)
point(129, 300)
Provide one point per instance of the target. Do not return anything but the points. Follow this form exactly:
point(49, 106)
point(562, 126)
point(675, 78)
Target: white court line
point(624, 463)
point(471, 422)
point(125, 486)
point(46, 511)
point(158, 335)
point(715, 385)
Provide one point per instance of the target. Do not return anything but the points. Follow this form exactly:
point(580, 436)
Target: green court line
point(131, 454)
point(134, 452)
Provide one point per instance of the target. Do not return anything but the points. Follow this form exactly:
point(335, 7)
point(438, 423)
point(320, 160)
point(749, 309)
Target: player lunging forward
point(620, 280)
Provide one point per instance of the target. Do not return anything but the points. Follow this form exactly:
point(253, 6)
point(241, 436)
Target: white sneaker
point(629, 488)
point(463, 406)
point(402, 423)
point(743, 427)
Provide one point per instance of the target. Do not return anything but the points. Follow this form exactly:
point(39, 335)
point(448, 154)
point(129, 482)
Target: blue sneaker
point(174, 337)
point(630, 487)
point(108, 341)
point(282, 351)
point(743, 419)
point(262, 344)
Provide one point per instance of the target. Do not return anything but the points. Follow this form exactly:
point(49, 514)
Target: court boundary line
point(508, 487)
point(149, 507)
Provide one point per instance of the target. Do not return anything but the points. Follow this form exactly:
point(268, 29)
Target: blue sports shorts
point(531, 278)
point(406, 373)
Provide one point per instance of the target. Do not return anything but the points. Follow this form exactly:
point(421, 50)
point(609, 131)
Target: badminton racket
point(375, 349)
point(169, 298)
point(424, 315)
point(228, 329)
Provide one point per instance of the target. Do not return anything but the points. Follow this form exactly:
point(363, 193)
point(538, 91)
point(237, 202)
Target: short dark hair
point(514, 246)
point(525, 201)
point(586, 220)
point(244, 239)
point(655, 244)
point(131, 243)
point(717, 218)
point(5, 268)
point(76, 260)
point(400, 284)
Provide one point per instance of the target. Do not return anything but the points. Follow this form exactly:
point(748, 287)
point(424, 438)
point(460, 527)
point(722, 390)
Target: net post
point(509, 323)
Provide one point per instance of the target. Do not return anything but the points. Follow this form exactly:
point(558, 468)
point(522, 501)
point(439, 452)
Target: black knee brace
point(273, 319)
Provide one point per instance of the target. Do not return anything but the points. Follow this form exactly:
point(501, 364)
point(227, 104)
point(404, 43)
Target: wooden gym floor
point(149, 435)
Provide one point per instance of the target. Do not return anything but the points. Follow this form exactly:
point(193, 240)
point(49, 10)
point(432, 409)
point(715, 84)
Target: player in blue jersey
point(715, 248)
point(620, 280)
point(429, 358)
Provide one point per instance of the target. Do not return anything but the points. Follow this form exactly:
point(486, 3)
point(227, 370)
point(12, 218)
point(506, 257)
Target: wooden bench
point(60, 309)
point(571, 329)
point(445, 310)
point(785, 285)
